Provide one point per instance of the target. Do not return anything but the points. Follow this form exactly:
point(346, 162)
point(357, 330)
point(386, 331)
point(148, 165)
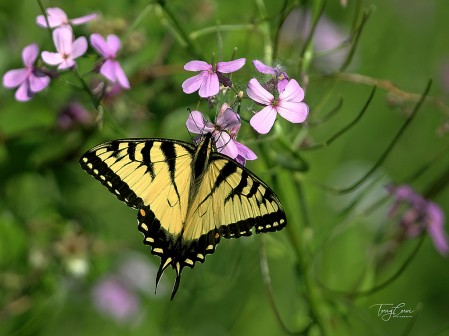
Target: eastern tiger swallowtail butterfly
point(188, 196)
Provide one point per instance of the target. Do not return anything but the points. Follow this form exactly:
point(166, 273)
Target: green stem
point(265, 30)
point(87, 89)
point(439, 184)
point(41, 5)
point(311, 292)
point(138, 20)
point(358, 8)
point(346, 128)
point(267, 282)
point(385, 283)
point(192, 45)
point(412, 321)
point(391, 146)
point(316, 14)
point(213, 29)
point(355, 39)
point(113, 123)
point(327, 116)
point(283, 14)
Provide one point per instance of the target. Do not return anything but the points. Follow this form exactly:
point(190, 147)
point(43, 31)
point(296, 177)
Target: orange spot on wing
point(142, 212)
point(217, 235)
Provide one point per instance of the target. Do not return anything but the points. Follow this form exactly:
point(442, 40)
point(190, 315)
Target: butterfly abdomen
point(201, 159)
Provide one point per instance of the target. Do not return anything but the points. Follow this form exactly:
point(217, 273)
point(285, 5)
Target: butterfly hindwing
point(231, 201)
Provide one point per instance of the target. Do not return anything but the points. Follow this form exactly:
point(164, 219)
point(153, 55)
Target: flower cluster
point(32, 79)
point(419, 215)
point(225, 142)
point(288, 103)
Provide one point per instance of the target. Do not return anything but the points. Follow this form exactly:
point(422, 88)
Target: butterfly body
point(188, 196)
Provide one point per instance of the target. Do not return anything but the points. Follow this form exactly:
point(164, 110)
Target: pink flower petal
point(435, 228)
point(198, 66)
point(228, 119)
point(292, 92)
point(23, 93)
point(99, 44)
point(210, 86)
point(240, 159)
point(56, 17)
point(121, 77)
point(14, 78)
point(63, 40)
point(83, 19)
point(403, 192)
point(114, 45)
point(66, 63)
point(225, 145)
point(264, 120)
point(264, 68)
point(52, 58)
point(227, 67)
point(108, 70)
point(79, 47)
point(40, 21)
point(39, 82)
point(192, 84)
point(57, 13)
point(113, 297)
point(247, 153)
point(281, 85)
point(293, 112)
point(257, 93)
point(196, 123)
point(29, 54)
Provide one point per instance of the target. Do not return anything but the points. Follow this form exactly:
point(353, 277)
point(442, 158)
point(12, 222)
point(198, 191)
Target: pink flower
point(435, 227)
point(67, 50)
point(288, 105)
point(280, 77)
point(207, 81)
point(112, 296)
point(57, 17)
point(244, 153)
point(29, 79)
point(111, 68)
point(196, 123)
point(74, 113)
point(420, 214)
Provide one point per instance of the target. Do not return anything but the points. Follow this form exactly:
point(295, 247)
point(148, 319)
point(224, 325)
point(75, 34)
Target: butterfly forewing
point(135, 169)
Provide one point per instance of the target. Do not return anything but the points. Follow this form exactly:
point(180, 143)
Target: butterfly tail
point(178, 270)
point(162, 267)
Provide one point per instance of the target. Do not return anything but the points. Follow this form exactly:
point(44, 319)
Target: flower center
point(274, 102)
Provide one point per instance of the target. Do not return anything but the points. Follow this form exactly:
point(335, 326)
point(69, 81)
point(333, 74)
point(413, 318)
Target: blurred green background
point(66, 243)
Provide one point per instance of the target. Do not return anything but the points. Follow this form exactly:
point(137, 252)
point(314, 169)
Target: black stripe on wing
point(124, 151)
point(172, 249)
point(273, 220)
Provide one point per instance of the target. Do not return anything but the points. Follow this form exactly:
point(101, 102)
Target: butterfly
point(187, 196)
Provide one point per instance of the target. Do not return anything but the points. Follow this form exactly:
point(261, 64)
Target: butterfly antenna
point(201, 130)
point(221, 132)
point(177, 281)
